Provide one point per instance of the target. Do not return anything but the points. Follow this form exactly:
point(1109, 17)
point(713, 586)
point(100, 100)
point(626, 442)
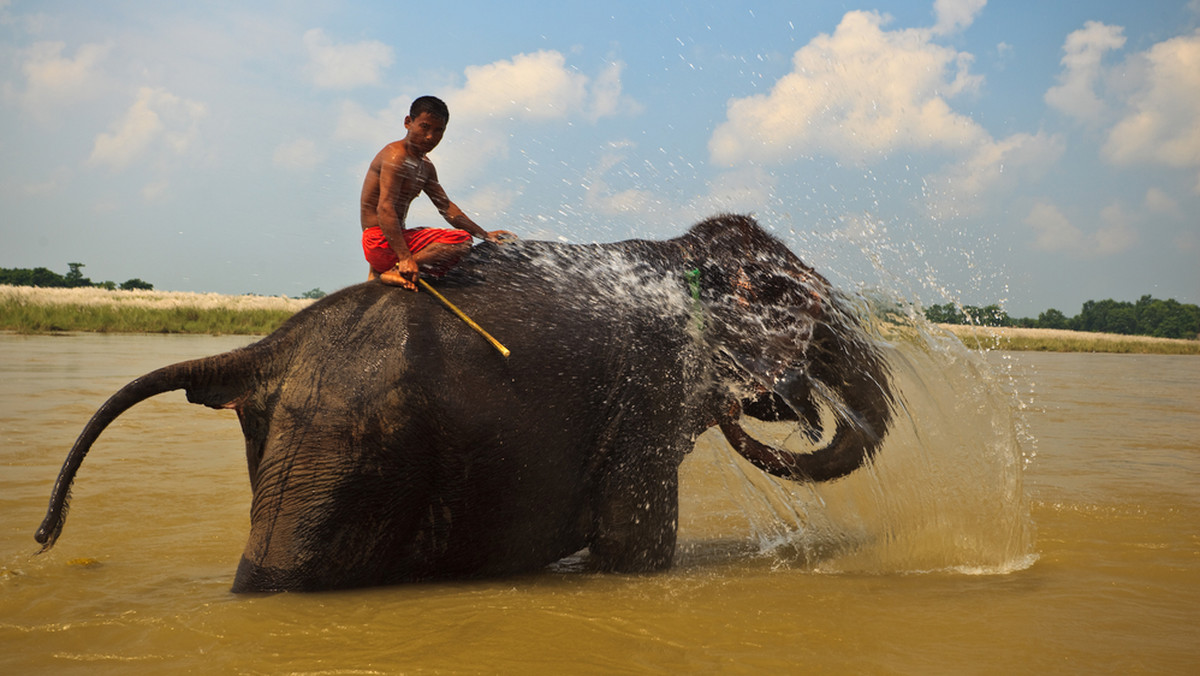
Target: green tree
point(43, 277)
point(1052, 319)
point(313, 293)
point(1107, 316)
point(136, 283)
point(990, 315)
point(1166, 318)
point(75, 277)
point(945, 314)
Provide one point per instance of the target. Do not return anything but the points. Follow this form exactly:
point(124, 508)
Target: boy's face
point(424, 132)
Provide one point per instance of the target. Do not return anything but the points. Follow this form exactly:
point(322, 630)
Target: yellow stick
point(461, 315)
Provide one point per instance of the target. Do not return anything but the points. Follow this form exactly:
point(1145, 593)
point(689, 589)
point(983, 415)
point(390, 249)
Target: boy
point(399, 173)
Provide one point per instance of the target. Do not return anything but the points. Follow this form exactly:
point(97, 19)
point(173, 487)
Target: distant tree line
point(45, 277)
point(1149, 316)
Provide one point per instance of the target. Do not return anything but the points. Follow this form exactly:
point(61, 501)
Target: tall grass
point(35, 310)
point(1054, 340)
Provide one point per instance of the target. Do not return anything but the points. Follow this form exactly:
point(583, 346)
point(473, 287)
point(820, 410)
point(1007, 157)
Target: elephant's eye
point(775, 289)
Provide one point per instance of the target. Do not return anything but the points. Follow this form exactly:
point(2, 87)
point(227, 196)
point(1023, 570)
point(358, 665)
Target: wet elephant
point(386, 442)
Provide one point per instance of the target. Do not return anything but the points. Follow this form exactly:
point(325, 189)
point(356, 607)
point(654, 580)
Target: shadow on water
point(944, 493)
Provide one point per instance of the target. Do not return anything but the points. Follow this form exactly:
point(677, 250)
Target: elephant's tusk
point(462, 315)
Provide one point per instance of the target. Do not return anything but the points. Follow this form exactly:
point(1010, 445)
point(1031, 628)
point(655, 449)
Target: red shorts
point(379, 253)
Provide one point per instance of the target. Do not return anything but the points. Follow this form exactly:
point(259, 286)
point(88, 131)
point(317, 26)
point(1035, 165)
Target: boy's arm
point(391, 191)
point(455, 216)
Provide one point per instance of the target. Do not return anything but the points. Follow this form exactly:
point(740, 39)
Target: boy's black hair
point(432, 105)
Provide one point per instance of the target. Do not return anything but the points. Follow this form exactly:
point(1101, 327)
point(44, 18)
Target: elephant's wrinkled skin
point(387, 442)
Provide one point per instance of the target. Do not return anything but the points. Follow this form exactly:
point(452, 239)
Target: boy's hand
point(403, 273)
point(500, 236)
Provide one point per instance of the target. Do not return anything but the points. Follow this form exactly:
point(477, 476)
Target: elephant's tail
point(208, 381)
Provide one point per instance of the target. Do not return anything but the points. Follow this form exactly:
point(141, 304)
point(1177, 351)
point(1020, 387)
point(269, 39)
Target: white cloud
point(299, 154)
point(156, 117)
point(955, 15)
point(1055, 233)
point(1152, 100)
point(1159, 202)
point(1081, 61)
point(345, 66)
point(53, 79)
point(994, 165)
point(1160, 119)
point(535, 86)
point(1004, 52)
point(607, 98)
point(857, 93)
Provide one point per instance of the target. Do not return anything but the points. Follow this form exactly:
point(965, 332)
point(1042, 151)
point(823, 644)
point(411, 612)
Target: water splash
point(944, 493)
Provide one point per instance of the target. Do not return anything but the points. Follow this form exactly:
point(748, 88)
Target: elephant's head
point(786, 346)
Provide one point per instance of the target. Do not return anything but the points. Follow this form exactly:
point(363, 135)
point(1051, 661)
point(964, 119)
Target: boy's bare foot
point(393, 278)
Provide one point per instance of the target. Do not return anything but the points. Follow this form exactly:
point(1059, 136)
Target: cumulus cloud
point(1055, 233)
point(346, 66)
point(607, 99)
point(994, 165)
point(955, 15)
point(535, 87)
point(1160, 119)
point(156, 117)
point(1147, 107)
point(52, 78)
point(1159, 202)
point(1083, 51)
point(857, 93)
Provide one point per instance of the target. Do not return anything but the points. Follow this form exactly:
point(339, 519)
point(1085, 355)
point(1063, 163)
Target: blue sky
point(1030, 153)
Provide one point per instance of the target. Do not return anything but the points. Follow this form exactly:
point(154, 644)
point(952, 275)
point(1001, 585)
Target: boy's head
point(426, 122)
point(432, 105)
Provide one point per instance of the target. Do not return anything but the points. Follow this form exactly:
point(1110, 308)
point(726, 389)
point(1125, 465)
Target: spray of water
point(944, 493)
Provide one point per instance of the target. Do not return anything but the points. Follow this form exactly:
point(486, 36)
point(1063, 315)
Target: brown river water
point(1029, 513)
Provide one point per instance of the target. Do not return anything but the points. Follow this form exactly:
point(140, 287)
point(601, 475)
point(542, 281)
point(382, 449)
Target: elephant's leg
point(637, 514)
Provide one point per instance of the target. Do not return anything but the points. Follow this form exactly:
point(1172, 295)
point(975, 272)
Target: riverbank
point(1059, 340)
point(26, 309)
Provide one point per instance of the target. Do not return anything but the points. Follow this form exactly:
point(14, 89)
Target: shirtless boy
point(399, 173)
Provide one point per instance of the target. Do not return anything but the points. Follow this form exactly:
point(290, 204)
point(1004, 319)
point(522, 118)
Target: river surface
point(1029, 513)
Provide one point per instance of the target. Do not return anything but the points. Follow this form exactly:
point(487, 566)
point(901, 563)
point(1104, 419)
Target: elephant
point(386, 442)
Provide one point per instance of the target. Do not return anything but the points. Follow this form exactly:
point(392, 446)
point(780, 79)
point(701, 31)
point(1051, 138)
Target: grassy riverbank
point(25, 309)
point(1055, 340)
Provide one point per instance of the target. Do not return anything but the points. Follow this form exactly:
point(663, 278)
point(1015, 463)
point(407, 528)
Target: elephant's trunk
point(201, 377)
point(853, 372)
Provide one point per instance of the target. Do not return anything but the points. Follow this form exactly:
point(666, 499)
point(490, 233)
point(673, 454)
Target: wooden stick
point(461, 315)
